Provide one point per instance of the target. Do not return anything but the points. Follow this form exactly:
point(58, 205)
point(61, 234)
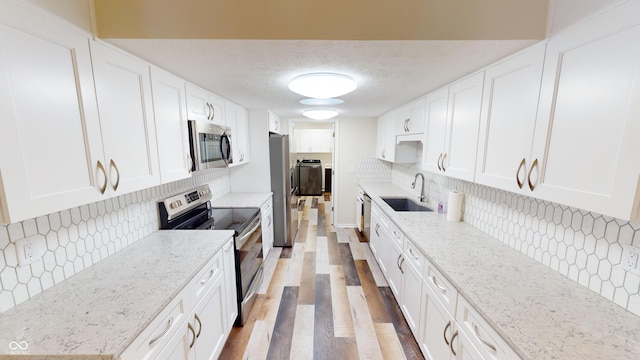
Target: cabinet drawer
point(396, 235)
point(155, 336)
point(441, 287)
point(485, 339)
point(205, 278)
point(412, 254)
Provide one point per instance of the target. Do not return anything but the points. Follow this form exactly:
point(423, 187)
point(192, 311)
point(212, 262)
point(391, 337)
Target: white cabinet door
point(229, 260)
point(274, 123)
point(267, 227)
point(410, 294)
point(237, 119)
point(436, 130)
point(437, 327)
point(209, 319)
point(50, 147)
point(586, 138)
point(508, 119)
point(463, 121)
point(394, 272)
point(170, 113)
point(411, 118)
point(390, 137)
point(123, 90)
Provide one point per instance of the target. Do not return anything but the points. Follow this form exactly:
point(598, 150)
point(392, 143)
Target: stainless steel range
point(192, 210)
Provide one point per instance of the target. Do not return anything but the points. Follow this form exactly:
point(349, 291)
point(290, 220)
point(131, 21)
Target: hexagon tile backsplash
point(583, 246)
point(80, 237)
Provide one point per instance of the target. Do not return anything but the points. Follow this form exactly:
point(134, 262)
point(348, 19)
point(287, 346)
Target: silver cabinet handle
point(413, 254)
point(443, 160)
point(213, 112)
point(113, 165)
point(398, 261)
point(522, 165)
point(444, 333)
point(377, 228)
point(194, 335)
point(440, 287)
point(103, 188)
point(485, 342)
point(451, 345)
point(438, 162)
point(383, 155)
point(199, 325)
point(269, 218)
point(402, 262)
point(211, 273)
point(533, 166)
point(163, 333)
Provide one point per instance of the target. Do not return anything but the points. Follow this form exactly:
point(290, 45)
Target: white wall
point(356, 139)
point(255, 176)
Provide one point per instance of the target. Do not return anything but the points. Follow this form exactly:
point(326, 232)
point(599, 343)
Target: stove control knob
point(172, 205)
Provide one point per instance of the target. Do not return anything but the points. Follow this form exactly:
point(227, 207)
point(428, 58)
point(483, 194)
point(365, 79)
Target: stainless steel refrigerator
point(285, 193)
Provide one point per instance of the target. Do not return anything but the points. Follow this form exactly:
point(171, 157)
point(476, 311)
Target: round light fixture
point(321, 102)
point(322, 85)
point(320, 114)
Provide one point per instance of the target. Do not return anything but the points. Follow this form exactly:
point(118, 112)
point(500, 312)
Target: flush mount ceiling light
point(322, 85)
point(321, 102)
point(320, 114)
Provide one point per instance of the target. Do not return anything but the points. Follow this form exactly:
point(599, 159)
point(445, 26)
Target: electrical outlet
point(30, 250)
point(631, 259)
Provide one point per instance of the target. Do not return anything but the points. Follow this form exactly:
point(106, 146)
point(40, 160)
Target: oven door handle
point(248, 233)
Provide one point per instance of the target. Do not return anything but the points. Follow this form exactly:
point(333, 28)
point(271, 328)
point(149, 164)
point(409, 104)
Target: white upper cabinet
point(123, 90)
point(50, 149)
point(410, 118)
point(463, 121)
point(314, 140)
point(170, 113)
point(436, 129)
point(452, 143)
point(237, 119)
point(380, 137)
point(508, 120)
point(204, 106)
point(274, 123)
point(586, 146)
point(390, 149)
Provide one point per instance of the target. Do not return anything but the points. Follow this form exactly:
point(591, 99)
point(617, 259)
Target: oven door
point(210, 145)
point(249, 266)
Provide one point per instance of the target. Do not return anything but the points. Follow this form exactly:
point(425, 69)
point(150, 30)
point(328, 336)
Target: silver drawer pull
point(413, 254)
point(440, 287)
point(211, 273)
point(163, 333)
point(485, 342)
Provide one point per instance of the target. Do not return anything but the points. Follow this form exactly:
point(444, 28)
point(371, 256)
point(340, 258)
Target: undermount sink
point(404, 204)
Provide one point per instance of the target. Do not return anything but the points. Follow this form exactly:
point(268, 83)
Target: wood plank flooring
point(323, 298)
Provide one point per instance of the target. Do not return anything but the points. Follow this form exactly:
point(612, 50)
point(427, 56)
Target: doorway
point(313, 146)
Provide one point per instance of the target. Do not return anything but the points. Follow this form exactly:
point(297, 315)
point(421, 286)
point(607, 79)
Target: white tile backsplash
point(80, 237)
point(583, 246)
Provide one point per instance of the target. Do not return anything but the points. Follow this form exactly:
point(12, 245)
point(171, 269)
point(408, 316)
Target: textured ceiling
point(255, 73)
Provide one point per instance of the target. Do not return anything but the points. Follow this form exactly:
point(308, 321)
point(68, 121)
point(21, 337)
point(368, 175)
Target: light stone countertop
point(98, 312)
point(241, 199)
point(539, 313)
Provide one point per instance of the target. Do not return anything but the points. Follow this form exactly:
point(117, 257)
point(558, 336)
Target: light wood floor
point(326, 299)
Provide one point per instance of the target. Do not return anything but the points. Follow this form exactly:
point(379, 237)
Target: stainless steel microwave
point(210, 145)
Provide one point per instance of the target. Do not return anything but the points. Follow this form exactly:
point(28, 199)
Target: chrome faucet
point(413, 186)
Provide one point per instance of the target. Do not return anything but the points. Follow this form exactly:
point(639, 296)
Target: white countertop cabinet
point(123, 90)
point(51, 155)
point(389, 149)
point(170, 113)
point(587, 129)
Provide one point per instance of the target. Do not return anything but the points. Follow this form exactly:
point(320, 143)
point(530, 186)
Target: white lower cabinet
point(266, 211)
point(379, 242)
point(197, 322)
point(394, 274)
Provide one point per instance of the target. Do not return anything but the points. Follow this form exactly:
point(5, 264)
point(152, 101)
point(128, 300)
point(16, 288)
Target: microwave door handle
point(225, 147)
